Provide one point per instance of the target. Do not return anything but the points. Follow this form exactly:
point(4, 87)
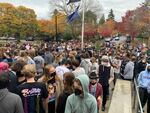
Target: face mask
point(52, 81)
point(19, 74)
point(77, 92)
point(52, 74)
point(93, 83)
point(148, 69)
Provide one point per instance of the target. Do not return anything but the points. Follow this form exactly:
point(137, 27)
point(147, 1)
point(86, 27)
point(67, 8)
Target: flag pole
point(82, 37)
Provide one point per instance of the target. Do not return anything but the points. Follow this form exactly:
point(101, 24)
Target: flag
point(73, 16)
point(72, 1)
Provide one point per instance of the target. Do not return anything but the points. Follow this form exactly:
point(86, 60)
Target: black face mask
point(77, 92)
point(19, 74)
point(148, 69)
point(93, 83)
point(52, 74)
point(52, 81)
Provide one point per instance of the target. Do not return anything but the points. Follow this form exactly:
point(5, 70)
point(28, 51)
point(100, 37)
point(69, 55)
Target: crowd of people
point(59, 77)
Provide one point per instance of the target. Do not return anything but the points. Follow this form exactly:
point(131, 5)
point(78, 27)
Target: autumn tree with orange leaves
point(48, 27)
point(136, 22)
point(17, 20)
point(108, 28)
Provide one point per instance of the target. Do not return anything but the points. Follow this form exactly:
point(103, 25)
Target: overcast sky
point(42, 8)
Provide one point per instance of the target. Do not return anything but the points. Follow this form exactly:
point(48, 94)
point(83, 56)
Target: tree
point(28, 22)
point(102, 20)
point(93, 6)
point(48, 27)
point(61, 22)
point(90, 17)
point(93, 11)
point(6, 13)
point(111, 15)
point(17, 20)
point(135, 24)
point(109, 28)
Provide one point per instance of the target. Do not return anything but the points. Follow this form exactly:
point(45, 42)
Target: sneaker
point(112, 89)
point(103, 108)
point(140, 111)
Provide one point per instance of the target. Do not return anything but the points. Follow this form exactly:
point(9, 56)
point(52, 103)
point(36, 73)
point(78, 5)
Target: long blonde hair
point(46, 73)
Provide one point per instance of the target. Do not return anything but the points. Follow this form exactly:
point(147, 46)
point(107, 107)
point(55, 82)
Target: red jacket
point(99, 90)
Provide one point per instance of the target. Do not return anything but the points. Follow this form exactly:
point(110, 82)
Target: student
point(12, 87)
point(32, 93)
point(77, 69)
point(81, 101)
point(95, 88)
point(68, 90)
point(143, 80)
point(106, 76)
point(9, 102)
point(54, 86)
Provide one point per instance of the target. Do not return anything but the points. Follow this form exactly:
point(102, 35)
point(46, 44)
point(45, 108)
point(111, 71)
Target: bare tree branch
point(92, 5)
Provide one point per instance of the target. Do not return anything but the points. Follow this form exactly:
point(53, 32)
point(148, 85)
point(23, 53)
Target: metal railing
point(136, 101)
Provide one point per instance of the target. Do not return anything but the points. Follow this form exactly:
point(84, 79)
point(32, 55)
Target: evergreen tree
point(102, 20)
point(90, 17)
point(111, 15)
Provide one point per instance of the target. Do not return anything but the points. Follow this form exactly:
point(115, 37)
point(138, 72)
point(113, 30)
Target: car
point(11, 38)
point(30, 39)
point(117, 38)
point(108, 39)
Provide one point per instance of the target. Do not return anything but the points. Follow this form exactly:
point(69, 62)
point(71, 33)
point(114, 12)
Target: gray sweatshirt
point(128, 71)
point(9, 102)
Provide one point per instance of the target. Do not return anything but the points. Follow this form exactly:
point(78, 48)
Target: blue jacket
point(144, 78)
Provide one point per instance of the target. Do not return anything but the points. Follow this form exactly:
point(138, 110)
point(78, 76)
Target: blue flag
point(73, 16)
point(72, 1)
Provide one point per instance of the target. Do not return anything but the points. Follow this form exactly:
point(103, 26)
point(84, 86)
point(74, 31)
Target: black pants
point(105, 94)
point(143, 96)
point(148, 104)
point(51, 107)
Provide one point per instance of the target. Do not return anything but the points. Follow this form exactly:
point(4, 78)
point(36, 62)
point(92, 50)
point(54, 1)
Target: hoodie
point(144, 78)
point(87, 104)
point(9, 102)
point(86, 64)
point(128, 71)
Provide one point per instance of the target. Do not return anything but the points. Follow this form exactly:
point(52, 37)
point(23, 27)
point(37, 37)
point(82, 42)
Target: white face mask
point(105, 64)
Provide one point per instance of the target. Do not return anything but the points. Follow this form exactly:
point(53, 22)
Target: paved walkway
point(109, 100)
point(121, 98)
